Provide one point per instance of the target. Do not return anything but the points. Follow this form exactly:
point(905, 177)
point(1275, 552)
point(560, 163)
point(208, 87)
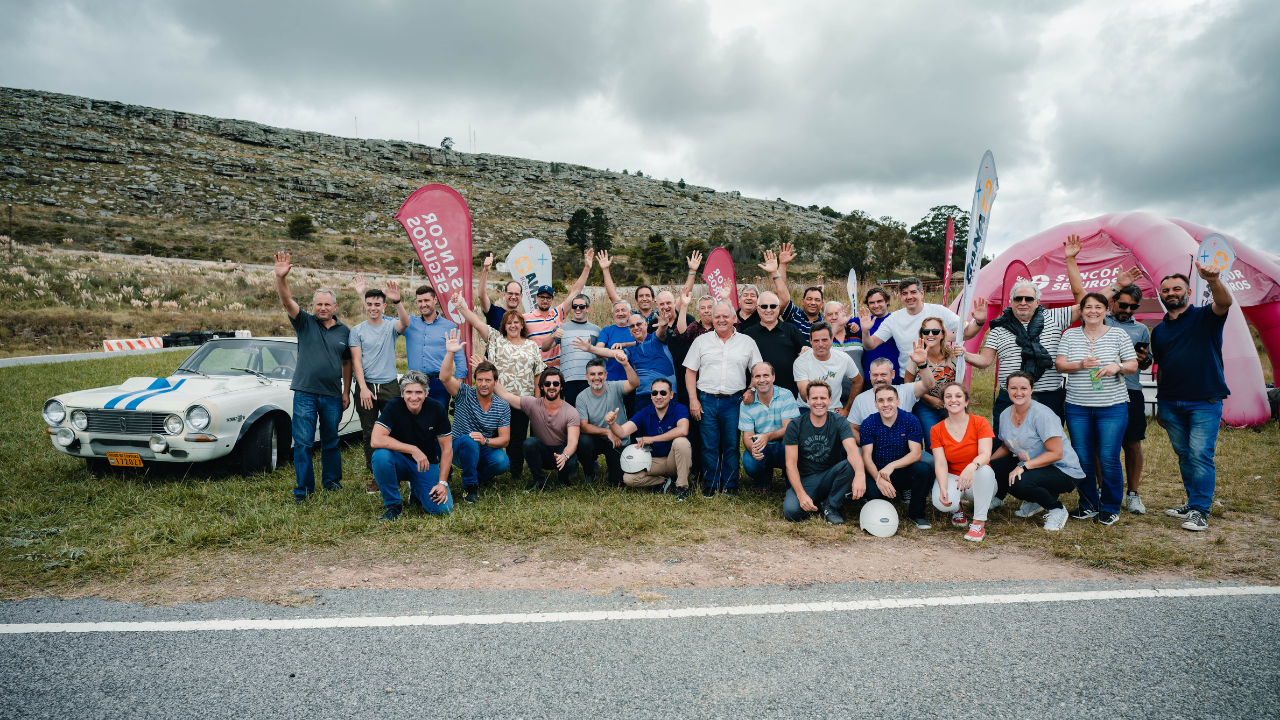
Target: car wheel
point(260, 448)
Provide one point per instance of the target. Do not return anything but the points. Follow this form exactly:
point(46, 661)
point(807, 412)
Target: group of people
point(849, 407)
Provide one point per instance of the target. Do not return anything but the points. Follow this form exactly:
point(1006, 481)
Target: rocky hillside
point(93, 174)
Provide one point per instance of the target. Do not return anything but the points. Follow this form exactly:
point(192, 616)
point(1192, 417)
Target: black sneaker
point(392, 512)
point(335, 486)
point(1196, 521)
point(535, 486)
point(472, 496)
point(708, 491)
point(731, 490)
point(299, 499)
point(1084, 513)
point(1182, 511)
point(832, 517)
point(1106, 518)
point(682, 494)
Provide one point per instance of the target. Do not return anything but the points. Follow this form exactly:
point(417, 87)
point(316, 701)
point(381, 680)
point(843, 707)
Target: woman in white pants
point(962, 455)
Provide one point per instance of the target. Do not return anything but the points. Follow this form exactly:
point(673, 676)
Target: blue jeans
point(1099, 431)
point(1192, 426)
point(761, 471)
point(390, 467)
point(478, 462)
point(306, 408)
point(928, 417)
point(719, 426)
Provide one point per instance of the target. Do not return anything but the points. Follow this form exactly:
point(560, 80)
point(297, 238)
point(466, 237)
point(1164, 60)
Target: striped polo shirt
point(542, 324)
point(760, 418)
point(469, 417)
point(1113, 347)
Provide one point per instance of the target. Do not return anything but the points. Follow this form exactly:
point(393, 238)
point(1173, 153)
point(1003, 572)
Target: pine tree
point(601, 239)
point(578, 235)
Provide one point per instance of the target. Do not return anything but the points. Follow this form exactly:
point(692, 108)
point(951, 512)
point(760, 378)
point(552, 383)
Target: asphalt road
point(1183, 657)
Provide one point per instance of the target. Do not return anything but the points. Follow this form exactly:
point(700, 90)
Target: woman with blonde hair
point(518, 359)
point(942, 361)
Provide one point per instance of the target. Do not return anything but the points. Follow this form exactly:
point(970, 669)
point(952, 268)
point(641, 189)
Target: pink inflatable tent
point(1159, 246)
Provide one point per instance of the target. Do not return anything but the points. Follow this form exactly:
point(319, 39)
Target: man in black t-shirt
point(412, 441)
point(822, 460)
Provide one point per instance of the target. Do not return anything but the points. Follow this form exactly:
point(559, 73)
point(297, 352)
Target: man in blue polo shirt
point(663, 427)
point(891, 452)
point(321, 383)
point(649, 357)
point(763, 423)
point(1187, 349)
point(424, 343)
point(481, 422)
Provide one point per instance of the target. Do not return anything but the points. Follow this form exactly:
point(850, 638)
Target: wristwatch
point(1022, 464)
point(395, 302)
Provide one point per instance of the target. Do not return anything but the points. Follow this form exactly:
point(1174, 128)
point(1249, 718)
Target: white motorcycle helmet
point(636, 459)
point(879, 518)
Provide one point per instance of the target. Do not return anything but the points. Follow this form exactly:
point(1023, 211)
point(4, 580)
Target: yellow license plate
point(125, 459)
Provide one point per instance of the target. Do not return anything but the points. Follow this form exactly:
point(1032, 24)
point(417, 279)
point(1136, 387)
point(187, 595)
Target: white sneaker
point(1028, 509)
point(1133, 503)
point(1056, 519)
point(996, 502)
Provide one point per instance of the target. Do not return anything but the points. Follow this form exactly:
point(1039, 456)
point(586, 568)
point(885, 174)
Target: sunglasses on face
point(551, 383)
point(579, 307)
point(1127, 306)
point(925, 332)
point(1024, 299)
point(773, 306)
point(636, 325)
point(658, 393)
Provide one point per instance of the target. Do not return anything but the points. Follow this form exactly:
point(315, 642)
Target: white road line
point(593, 616)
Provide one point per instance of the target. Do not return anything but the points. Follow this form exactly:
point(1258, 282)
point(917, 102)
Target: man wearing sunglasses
point(903, 326)
point(512, 294)
point(1124, 303)
point(663, 427)
point(779, 343)
point(545, 319)
point(553, 426)
point(573, 359)
point(810, 310)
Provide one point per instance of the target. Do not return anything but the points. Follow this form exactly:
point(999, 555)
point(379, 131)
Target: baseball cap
point(545, 289)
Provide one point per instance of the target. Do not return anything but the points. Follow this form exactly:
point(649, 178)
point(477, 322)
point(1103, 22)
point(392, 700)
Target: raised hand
point(359, 284)
point(610, 417)
point(684, 300)
point(919, 354)
point(476, 359)
point(820, 283)
point(580, 343)
point(559, 333)
point(770, 264)
point(452, 341)
point(980, 310)
point(488, 262)
point(1131, 276)
point(724, 293)
point(1072, 246)
point(602, 257)
point(695, 261)
point(283, 266)
point(588, 257)
point(459, 301)
point(864, 319)
point(786, 253)
point(393, 291)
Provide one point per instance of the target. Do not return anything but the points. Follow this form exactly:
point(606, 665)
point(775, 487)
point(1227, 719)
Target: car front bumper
point(181, 449)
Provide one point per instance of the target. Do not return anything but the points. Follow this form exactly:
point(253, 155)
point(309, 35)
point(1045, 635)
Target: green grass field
point(62, 530)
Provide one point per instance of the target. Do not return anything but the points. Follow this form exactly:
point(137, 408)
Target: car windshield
point(273, 359)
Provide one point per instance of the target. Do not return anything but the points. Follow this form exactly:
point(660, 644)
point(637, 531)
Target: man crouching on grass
point(823, 463)
point(413, 441)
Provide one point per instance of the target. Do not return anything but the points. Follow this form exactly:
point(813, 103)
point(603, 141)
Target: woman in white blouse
point(1094, 357)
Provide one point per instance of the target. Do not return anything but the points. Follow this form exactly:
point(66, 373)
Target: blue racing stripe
point(133, 404)
point(157, 384)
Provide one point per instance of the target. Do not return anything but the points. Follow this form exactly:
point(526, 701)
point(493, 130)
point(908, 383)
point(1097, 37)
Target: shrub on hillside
point(300, 227)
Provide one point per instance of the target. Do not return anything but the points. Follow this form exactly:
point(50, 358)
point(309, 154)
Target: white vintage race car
point(230, 397)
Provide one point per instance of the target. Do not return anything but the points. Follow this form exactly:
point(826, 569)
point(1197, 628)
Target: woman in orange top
point(962, 456)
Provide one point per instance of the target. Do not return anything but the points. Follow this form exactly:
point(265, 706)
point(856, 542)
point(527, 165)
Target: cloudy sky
point(1090, 107)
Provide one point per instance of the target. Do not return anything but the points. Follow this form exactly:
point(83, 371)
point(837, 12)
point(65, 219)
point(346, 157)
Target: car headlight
point(198, 417)
point(79, 419)
point(65, 436)
point(158, 444)
point(54, 412)
point(173, 425)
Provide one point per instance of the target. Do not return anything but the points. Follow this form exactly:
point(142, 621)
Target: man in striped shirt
point(763, 423)
point(481, 422)
point(543, 322)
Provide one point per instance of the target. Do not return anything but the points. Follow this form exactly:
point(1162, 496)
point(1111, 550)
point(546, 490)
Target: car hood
point(142, 393)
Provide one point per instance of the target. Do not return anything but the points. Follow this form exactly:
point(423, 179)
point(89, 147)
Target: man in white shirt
point(903, 326)
point(717, 365)
point(864, 406)
point(823, 366)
